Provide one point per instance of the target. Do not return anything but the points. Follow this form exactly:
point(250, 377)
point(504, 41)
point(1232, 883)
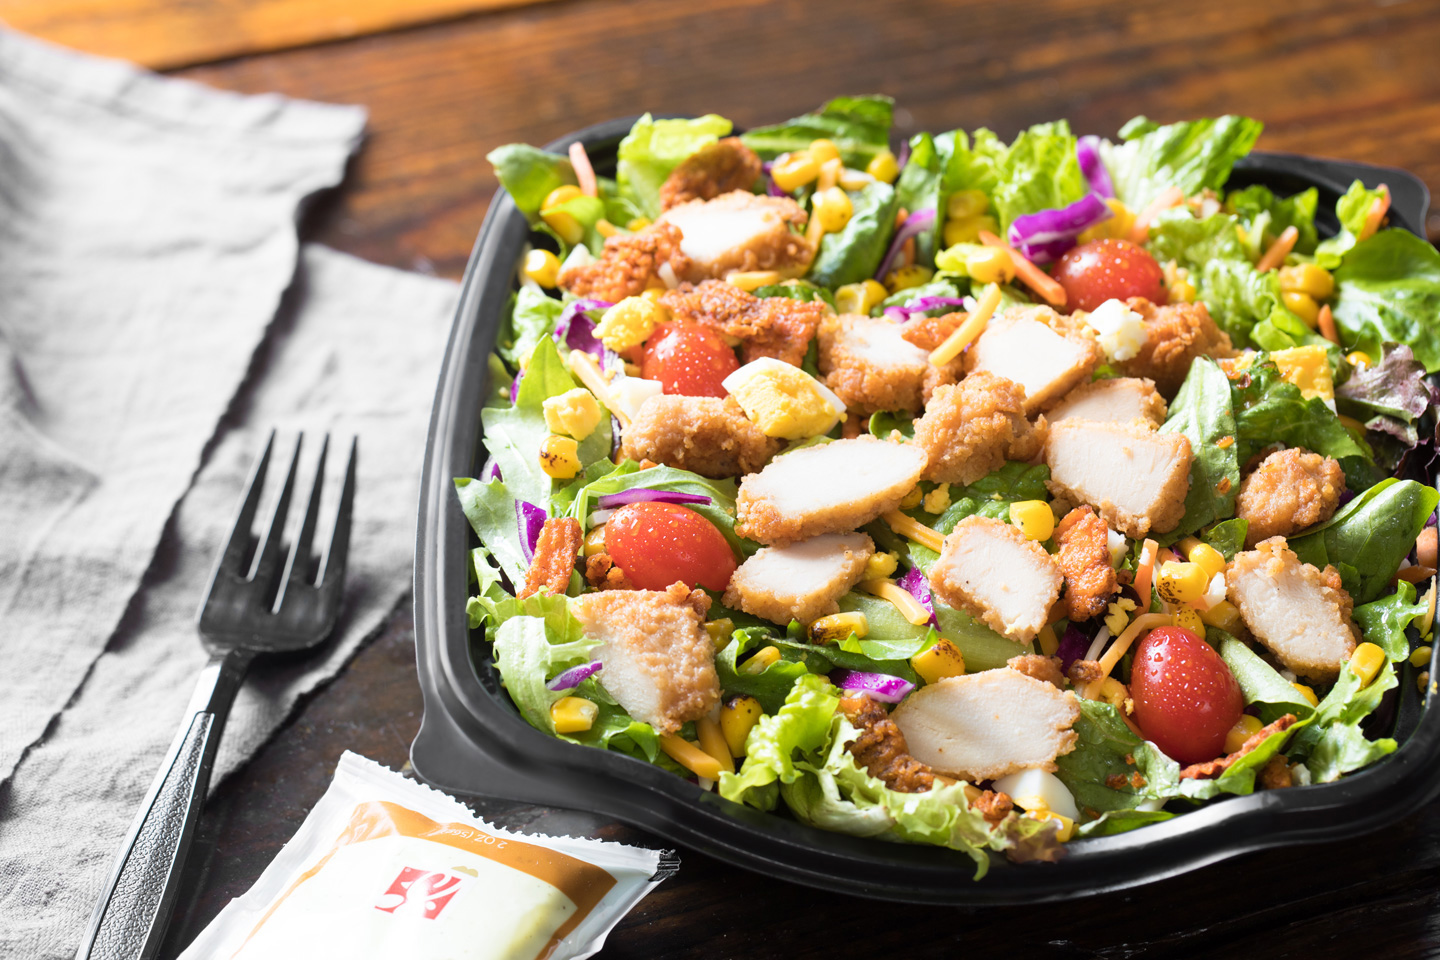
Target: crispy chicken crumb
point(993, 805)
point(602, 573)
point(714, 169)
point(555, 551)
point(881, 749)
point(1040, 667)
point(1082, 672)
point(776, 327)
point(629, 264)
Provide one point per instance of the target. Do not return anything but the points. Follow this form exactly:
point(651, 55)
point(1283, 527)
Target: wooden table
point(444, 85)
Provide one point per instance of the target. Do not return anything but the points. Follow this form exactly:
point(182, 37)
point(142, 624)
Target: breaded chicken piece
point(828, 488)
point(1040, 667)
point(802, 581)
point(1174, 336)
point(871, 366)
point(986, 725)
point(555, 551)
point(705, 435)
point(715, 168)
point(927, 333)
point(776, 327)
point(1301, 614)
point(629, 264)
point(1118, 400)
point(971, 428)
point(740, 231)
point(1045, 353)
point(1084, 560)
point(991, 571)
point(1290, 490)
point(659, 661)
point(1136, 478)
point(880, 747)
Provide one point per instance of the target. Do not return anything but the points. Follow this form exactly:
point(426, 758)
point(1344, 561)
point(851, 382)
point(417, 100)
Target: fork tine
point(340, 539)
point(267, 557)
point(297, 565)
point(234, 553)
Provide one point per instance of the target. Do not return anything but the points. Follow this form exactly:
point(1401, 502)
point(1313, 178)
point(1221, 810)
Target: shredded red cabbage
point(529, 518)
point(515, 388)
point(921, 305)
point(903, 157)
point(610, 501)
point(1073, 646)
point(917, 223)
point(1087, 151)
point(770, 188)
point(577, 331)
point(881, 686)
point(572, 678)
point(1045, 236)
point(492, 471)
point(915, 584)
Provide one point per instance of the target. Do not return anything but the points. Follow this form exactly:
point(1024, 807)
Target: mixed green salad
point(953, 491)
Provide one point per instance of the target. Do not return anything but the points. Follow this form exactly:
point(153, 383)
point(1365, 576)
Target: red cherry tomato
point(659, 543)
point(1186, 698)
point(688, 359)
point(1109, 270)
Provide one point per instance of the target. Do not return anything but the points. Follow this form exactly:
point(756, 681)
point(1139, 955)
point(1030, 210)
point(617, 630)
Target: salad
point(964, 493)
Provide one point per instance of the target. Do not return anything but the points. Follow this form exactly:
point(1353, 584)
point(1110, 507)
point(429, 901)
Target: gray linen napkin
point(147, 231)
point(357, 355)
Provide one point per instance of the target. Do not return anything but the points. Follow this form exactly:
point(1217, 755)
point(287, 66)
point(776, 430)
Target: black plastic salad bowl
point(473, 741)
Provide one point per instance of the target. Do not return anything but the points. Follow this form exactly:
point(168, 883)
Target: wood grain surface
point(1357, 80)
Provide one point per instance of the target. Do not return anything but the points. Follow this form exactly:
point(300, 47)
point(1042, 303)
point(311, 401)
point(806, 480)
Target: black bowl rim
point(472, 741)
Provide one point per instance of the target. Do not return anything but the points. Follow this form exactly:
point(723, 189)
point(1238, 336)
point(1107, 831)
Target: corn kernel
point(824, 150)
point(967, 229)
point(559, 195)
point(1303, 306)
point(1118, 226)
point(884, 167)
point(880, 566)
point(1224, 616)
point(794, 170)
point(1206, 557)
point(906, 278)
point(629, 323)
point(838, 626)
point(594, 542)
point(850, 298)
point(833, 208)
point(752, 279)
point(737, 718)
point(542, 266)
point(573, 714)
point(761, 659)
point(966, 203)
point(721, 632)
point(1420, 657)
point(912, 499)
point(991, 265)
point(937, 500)
point(605, 228)
point(1309, 279)
point(1307, 693)
point(1034, 518)
point(1182, 582)
point(560, 457)
point(1188, 618)
point(942, 660)
point(1359, 358)
point(564, 225)
point(1245, 728)
point(1366, 662)
point(575, 412)
point(1049, 643)
point(637, 224)
point(1066, 826)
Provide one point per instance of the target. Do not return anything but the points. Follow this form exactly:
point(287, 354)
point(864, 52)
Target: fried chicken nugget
point(715, 168)
point(629, 264)
point(740, 231)
point(1084, 561)
point(881, 749)
point(971, 428)
point(871, 366)
point(776, 327)
point(705, 435)
point(555, 551)
point(1290, 490)
point(1174, 336)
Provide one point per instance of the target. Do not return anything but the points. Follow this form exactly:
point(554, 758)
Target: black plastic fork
point(253, 606)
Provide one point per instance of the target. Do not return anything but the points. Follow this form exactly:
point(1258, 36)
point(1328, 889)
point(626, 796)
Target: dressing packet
point(386, 867)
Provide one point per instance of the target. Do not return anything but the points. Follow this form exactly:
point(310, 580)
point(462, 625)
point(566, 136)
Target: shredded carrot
point(1326, 322)
point(584, 173)
point(1036, 279)
point(968, 331)
point(1279, 250)
point(914, 529)
point(829, 174)
point(901, 216)
point(907, 252)
point(1146, 621)
point(1415, 573)
point(1145, 570)
point(1169, 197)
point(1378, 209)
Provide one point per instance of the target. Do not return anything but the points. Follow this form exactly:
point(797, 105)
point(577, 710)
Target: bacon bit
point(853, 427)
point(1169, 197)
point(1326, 322)
point(602, 573)
point(1275, 775)
point(881, 749)
point(993, 805)
point(1378, 209)
point(584, 172)
point(1225, 443)
point(555, 553)
point(1223, 486)
point(1036, 279)
point(1116, 782)
point(1278, 251)
point(1213, 768)
point(1130, 759)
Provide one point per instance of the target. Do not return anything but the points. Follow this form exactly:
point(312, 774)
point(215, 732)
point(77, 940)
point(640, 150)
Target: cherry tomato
point(1109, 270)
point(688, 359)
point(657, 544)
point(1186, 698)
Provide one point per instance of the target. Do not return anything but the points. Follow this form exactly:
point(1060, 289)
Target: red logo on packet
point(420, 891)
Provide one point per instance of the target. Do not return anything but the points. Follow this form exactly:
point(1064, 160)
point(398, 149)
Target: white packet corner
point(384, 866)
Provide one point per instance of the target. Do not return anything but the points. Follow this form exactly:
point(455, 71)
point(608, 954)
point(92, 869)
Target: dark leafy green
point(859, 126)
point(1228, 537)
point(1370, 536)
point(855, 252)
point(1260, 683)
point(802, 290)
point(1269, 409)
point(921, 186)
point(1394, 387)
point(531, 318)
point(1388, 290)
point(1384, 621)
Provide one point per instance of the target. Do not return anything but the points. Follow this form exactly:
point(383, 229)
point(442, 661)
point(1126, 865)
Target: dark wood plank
point(1329, 77)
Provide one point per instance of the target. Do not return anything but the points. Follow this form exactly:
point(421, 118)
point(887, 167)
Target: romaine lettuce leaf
point(1259, 682)
point(1040, 172)
point(1201, 412)
point(1334, 744)
point(1191, 155)
point(1388, 290)
point(536, 639)
point(770, 686)
point(489, 592)
point(974, 162)
point(854, 254)
point(654, 148)
point(1384, 621)
point(1352, 210)
point(490, 508)
point(531, 318)
point(529, 174)
point(1369, 537)
point(801, 290)
point(1257, 206)
point(858, 126)
point(804, 724)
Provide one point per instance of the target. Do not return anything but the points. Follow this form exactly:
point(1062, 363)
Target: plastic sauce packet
point(387, 867)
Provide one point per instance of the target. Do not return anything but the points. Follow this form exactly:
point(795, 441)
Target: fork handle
point(130, 918)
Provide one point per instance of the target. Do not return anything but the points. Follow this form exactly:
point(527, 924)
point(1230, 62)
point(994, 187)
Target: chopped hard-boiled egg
point(574, 412)
point(629, 323)
point(784, 401)
point(1308, 369)
point(1037, 790)
point(628, 394)
point(1121, 330)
